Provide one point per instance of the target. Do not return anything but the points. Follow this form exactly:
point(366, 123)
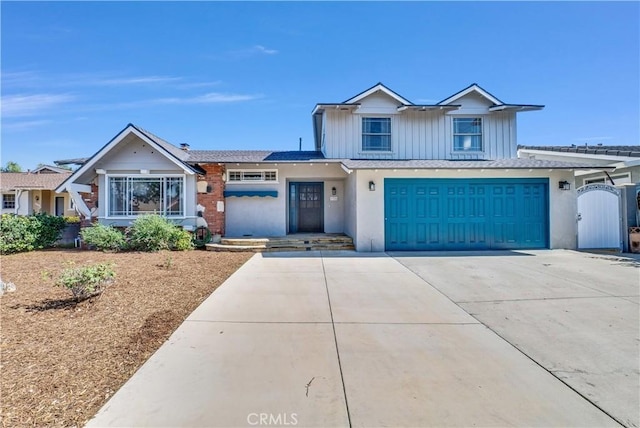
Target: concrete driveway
point(370, 340)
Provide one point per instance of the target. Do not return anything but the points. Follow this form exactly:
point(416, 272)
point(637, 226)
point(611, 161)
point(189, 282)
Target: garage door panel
point(456, 214)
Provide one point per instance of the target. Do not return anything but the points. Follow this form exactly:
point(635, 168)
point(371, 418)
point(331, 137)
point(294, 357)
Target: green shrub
point(27, 233)
point(103, 238)
point(181, 240)
point(49, 227)
point(154, 233)
point(17, 234)
point(87, 281)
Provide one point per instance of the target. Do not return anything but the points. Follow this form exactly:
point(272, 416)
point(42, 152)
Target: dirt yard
point(61, 361)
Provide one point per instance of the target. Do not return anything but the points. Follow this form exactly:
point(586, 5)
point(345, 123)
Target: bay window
point(131, 196)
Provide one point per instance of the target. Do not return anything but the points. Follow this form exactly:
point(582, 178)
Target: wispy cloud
point(25, 125)
point(253, 51)
point(138, 80)
point(209, 98)
point(261, 49)
point(20, 79)
point(195, 85)
point(28, 105)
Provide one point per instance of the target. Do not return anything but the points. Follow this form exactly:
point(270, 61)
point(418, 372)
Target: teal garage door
point(466, 214)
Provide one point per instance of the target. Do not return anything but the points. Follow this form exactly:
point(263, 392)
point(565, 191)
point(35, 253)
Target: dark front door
point(59, 205)
point(306, 207)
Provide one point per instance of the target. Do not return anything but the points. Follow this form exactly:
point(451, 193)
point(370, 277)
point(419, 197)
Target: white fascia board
point(472, 88)
point(586, 156)
point(347, 170)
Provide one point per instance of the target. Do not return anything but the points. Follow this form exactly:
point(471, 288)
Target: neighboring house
point(391, 174)
point(33, 192)
point(622, 162)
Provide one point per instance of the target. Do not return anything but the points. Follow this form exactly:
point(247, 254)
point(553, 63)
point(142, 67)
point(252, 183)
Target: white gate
point(599, 216)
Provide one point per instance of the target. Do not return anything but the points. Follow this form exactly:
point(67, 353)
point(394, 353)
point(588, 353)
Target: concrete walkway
point(337, 340)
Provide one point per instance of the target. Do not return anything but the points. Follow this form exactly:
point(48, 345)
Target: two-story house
point(391, 174)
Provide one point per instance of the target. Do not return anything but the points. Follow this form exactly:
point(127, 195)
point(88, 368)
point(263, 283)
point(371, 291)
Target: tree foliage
point(11, 166)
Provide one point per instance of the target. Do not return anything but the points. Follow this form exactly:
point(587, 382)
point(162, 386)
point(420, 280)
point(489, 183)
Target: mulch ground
point(61, 361)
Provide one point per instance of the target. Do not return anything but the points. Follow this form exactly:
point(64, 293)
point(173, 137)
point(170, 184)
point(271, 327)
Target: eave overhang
point(516, 107)
point(319, 108)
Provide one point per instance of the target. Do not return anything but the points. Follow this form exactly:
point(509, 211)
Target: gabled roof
point(497, 105)
point(474, 87)
point(172, 153)
point(48, 169)
point(375, 88)
point(353, 103)
point(10, 181)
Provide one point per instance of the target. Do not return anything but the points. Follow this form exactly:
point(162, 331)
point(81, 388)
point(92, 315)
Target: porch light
point(372, 186)
point(333, 191)
point(564, 185)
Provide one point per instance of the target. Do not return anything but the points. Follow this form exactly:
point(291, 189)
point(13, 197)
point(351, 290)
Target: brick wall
point(210, 200)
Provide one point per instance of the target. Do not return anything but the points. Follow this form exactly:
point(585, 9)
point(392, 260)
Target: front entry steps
point(295, 242)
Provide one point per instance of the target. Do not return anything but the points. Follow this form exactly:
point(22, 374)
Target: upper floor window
point(8, 201)
point(252, 176)
point(131, 196)
point(376, 134)
point(467, 134)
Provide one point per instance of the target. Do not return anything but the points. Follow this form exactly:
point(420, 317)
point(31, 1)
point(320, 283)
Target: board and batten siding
point(418, 135)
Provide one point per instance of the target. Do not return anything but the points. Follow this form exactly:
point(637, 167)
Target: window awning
point(251, 193)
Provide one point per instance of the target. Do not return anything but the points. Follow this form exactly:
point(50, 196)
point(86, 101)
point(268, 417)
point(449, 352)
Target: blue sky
point(239, 75)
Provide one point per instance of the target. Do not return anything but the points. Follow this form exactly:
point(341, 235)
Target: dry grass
point(60, 361)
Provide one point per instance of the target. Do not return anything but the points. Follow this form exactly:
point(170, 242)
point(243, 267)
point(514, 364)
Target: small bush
point(17, 234)
point(49, 227)
point(87, 281)
point(103, 238)
point(154, 233)
point(27, 233)
point(181, 240)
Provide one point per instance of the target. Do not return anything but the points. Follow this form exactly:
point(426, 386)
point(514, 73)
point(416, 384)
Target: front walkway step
point(298, 242)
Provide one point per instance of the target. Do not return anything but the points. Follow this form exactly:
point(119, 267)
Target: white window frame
point(4, 195)
point(454, 134)
point(362, 134)
point(242, 172)
point(108, 194)
point(604, 179)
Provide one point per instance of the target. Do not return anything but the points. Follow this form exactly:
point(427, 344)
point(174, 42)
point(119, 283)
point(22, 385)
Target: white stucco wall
point(268, 216)
point(369, 235)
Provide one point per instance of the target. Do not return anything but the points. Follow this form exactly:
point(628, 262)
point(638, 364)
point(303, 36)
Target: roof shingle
point(10, 181)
